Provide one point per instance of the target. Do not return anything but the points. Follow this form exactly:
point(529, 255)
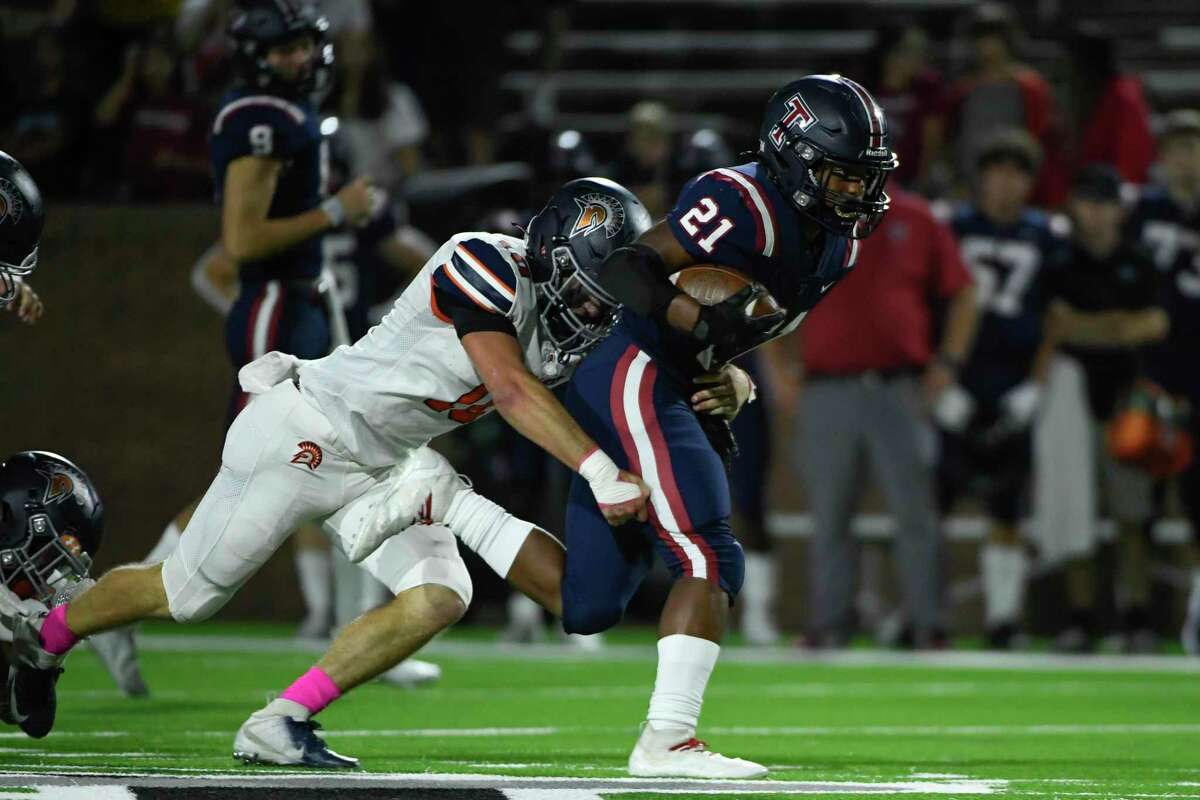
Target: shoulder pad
point(478, 273)
point(261, 125)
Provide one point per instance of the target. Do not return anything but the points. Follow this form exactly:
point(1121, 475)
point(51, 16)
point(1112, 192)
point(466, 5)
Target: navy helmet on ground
point(565, 244)
point(51, 523)
point(21, 220)
point(828, 121)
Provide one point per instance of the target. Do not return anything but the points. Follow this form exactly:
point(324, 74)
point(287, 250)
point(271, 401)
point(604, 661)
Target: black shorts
point(997, 473)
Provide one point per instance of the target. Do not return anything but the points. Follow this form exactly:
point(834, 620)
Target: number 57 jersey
point(409, 379)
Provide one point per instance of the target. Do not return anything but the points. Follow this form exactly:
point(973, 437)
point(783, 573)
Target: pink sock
point(55, 636)
point(314, 690)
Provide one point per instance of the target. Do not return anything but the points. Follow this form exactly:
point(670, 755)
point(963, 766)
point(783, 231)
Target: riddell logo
point(309, 455)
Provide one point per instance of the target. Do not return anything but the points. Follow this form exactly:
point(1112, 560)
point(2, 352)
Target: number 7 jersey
point(409, 379)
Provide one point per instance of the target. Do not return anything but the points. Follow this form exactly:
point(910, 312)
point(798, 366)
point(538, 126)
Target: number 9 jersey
point(268, 126)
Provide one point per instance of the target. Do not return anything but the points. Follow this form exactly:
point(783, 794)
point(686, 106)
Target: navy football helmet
point(565, 244)
point(259, 25)
point(828, 121)
point(51, 523)
point(21, 219)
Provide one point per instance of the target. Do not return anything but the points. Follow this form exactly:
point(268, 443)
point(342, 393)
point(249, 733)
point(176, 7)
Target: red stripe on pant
point(616, 399)
point(666, 471)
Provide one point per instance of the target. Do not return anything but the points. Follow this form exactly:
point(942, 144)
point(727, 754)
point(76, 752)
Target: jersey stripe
point(433, 303)
point(466, 259)
point(464, 287)
point(291, 109)
point(760, 208)
point(874, 112)
point(851, 255)
point(481, 283)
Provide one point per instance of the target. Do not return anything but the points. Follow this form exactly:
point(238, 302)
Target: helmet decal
point(798, 115)
point(59, 486)
point(11, 206)
point(598, 211)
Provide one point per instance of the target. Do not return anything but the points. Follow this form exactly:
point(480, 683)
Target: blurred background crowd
point(468, 115)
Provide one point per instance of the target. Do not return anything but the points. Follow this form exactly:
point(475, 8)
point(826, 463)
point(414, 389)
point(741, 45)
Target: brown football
point(709, 284)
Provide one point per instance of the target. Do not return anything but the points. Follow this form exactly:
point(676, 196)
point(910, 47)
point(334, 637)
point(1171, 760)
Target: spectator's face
point(1180, 157)
point(1003, 188)
point(991, 49)
point(1096, 223)
point(649, 144)
point(292, 60)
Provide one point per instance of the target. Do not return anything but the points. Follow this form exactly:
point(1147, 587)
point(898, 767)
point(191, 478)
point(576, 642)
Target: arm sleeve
point(478, 275)
point(724, 217)
point(470, 318)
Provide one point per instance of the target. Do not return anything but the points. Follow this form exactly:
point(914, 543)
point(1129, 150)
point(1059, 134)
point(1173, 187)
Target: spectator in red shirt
point(870, 375)
point(914, 98)
point(1109, 110)
point(164, 151)
point(1000, 92)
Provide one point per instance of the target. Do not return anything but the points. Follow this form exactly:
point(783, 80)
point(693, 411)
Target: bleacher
point(715, 61)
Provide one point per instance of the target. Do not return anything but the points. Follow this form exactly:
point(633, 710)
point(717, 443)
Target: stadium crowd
point(1055, 220)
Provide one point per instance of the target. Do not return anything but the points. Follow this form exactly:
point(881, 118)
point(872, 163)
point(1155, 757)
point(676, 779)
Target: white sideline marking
point(72, 793)
point(957, 659)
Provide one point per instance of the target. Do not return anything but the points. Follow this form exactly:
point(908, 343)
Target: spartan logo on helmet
point(598, 211)
point(11, 206)
point(59, 486)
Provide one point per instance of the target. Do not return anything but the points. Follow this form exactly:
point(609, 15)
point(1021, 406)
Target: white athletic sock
point(758, 588)
point(314, 568)
point(1002, 568)
point(684, 664)
point(487, 529)
point(166, 544)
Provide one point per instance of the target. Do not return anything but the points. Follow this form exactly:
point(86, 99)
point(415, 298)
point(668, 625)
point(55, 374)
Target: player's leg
point(900, 443)
point(1002, 562)
point(1129, 495)
point(432, 590)
point(1189, 491)
point(256, 499)
point(689, 515)
point(748, 485)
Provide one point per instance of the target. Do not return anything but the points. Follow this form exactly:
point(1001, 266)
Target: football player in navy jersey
point(1166, 220)
point(270, 165)
point(1014, 257)
point(791, 219)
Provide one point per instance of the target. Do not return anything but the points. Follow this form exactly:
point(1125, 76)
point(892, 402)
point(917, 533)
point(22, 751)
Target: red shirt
point(908, 110)
point(880, 316)
point(1118, 132)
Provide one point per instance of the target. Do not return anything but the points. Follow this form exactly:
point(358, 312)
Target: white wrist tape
point(336, 211)
point(603, 478)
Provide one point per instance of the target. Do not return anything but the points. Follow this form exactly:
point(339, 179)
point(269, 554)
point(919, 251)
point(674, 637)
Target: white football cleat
point(658, 755)
point(267, 738)
point(412, 672)
point(418, 492)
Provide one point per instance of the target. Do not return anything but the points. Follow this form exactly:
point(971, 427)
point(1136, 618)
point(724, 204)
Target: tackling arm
point(537, 415)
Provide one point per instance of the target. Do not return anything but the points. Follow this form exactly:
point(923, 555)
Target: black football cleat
point(32, 700)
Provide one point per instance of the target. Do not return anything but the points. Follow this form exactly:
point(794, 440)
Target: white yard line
point(766, 655)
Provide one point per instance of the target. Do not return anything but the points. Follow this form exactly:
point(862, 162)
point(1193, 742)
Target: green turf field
point(1037, 728)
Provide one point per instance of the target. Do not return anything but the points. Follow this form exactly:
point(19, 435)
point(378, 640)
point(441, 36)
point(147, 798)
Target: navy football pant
point(268, 316)
point(646, 424)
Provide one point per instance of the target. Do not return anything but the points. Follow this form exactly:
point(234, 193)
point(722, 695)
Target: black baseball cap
point(1099, 182)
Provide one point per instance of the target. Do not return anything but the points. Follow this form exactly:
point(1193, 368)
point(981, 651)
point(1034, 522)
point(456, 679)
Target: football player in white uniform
point(343, 440)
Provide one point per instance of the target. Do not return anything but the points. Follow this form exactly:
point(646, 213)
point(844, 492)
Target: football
point(709, 284)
